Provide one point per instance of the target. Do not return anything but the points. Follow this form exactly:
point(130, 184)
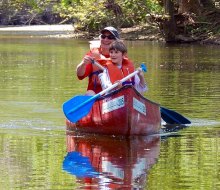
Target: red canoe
point(122, 112)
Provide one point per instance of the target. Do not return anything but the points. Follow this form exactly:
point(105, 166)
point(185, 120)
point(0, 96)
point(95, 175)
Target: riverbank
point(68, 31)
point(148, 33)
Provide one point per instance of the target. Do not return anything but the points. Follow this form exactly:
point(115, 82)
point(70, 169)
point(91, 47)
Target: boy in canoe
point(119, 66)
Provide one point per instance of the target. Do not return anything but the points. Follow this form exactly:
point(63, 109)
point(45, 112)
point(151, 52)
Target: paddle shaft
point(103, 92)
point(98, 65)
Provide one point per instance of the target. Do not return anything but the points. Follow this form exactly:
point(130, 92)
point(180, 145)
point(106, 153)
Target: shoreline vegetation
point(147, 33)
point(175, 22)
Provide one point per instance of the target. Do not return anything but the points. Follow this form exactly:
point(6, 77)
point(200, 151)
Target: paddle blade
point(143, 67)
point(78, 165)
point(78, 107)
point(172, 117)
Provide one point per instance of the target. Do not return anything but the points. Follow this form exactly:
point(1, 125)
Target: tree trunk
point(169, 25)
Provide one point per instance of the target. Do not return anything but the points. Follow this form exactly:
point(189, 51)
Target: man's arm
point(81, 68)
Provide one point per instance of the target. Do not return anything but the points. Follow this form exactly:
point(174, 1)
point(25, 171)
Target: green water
point(37, 75)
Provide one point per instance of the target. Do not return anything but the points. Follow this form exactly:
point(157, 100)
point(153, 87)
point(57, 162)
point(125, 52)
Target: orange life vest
point(116, 74)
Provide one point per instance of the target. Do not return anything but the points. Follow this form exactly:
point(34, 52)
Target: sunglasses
point(110, 37)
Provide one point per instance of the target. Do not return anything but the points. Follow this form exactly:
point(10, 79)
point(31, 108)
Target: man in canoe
point(119, 66)
point(101, 55)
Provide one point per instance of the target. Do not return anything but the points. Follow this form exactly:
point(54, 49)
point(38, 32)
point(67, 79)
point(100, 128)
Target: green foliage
point(89, 15)
point(135, 11)
point(94, 14)
point(19, 12)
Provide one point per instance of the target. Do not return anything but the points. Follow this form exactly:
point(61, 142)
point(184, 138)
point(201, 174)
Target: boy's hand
point(119, 84)
point(140, 73)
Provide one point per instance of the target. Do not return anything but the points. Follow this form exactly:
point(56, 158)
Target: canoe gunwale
point(125, 87)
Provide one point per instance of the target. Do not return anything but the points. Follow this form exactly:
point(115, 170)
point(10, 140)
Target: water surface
point(37, 75)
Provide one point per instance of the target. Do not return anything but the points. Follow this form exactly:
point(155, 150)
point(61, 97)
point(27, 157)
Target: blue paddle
point(172, 117)
point(79, 106)
point(78, 165)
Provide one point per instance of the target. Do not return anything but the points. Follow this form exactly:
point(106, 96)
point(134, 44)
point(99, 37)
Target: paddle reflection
point(104, 162)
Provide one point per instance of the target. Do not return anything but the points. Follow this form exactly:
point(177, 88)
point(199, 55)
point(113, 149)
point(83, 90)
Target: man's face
point(106, 39)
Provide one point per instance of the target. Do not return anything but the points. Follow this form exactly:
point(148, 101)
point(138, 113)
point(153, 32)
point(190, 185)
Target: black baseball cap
point(112, 30)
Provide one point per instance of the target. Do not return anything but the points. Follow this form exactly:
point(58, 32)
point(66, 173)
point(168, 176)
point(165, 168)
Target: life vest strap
point(96, 73)
point(128, 82)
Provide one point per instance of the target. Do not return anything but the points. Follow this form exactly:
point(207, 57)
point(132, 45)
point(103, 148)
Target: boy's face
point(116, 56)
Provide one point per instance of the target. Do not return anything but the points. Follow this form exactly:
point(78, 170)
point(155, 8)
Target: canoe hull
point(122, 112)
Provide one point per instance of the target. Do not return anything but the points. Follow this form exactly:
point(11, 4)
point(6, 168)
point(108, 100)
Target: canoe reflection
point(104, 162)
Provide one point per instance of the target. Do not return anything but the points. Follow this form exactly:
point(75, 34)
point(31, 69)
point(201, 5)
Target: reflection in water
point(105, 162)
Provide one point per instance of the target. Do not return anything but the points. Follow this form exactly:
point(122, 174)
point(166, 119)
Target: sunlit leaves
point(89, 15)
